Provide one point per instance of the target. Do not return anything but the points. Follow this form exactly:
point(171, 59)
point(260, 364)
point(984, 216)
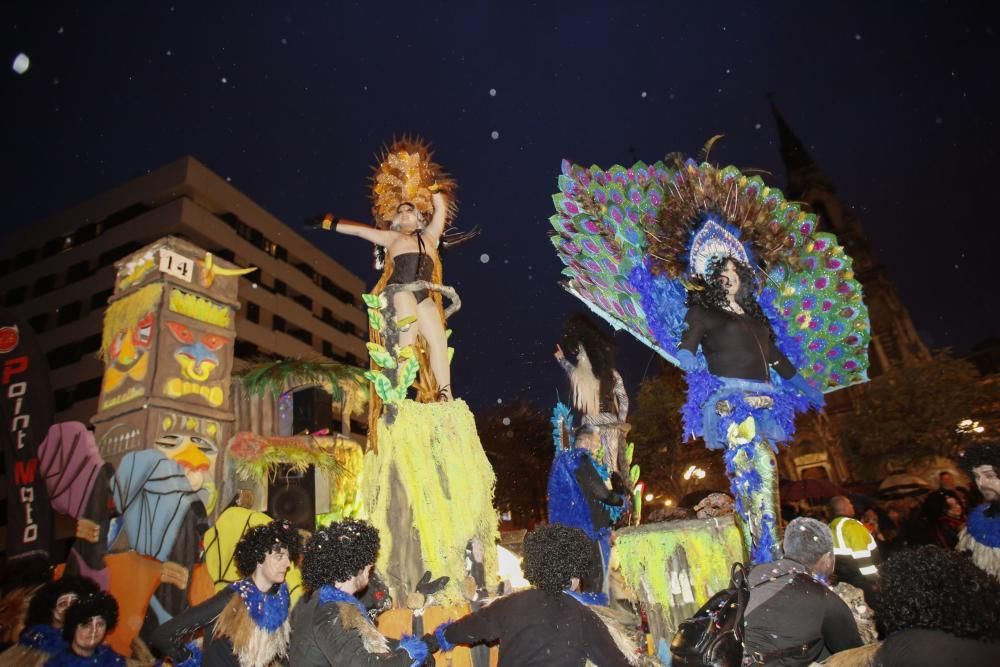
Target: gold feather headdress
point(405, 173)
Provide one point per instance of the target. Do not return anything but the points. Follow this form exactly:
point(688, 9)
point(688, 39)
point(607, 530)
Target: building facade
point(818, 450)
point(60, 273)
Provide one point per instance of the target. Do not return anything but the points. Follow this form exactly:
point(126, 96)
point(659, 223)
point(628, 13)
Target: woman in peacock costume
point(721, 276)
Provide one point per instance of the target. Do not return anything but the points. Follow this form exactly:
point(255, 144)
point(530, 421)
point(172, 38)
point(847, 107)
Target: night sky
point(291, 101)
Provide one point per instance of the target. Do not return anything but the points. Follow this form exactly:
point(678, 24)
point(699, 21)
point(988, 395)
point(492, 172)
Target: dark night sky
point(291, 100)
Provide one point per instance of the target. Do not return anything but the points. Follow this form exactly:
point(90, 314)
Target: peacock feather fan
point(626, 235)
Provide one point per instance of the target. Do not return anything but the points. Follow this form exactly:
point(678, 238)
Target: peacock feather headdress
point(633, 240)
point(406, 173)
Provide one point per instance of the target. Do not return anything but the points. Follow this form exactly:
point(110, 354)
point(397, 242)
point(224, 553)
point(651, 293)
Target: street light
point(969, 426)
point(649, 497)
point(668, 502)
point(694, 471)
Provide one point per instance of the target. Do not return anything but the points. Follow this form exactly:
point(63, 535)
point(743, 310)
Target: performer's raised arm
point(436, 227)
point(351, 228)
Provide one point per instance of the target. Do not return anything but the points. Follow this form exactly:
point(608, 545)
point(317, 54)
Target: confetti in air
point(22, 61)
point(493, 92)
point(506, 421)
point(484, 258)
point(494, 134)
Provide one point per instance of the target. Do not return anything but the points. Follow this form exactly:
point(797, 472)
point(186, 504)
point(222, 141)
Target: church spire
point(802, 171)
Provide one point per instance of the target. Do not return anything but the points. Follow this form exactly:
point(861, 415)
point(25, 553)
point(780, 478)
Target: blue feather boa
point(328, 594)
point(982, 528)
point(104, 656)
point(44, 638)
point(441, 638)
point(267, 611)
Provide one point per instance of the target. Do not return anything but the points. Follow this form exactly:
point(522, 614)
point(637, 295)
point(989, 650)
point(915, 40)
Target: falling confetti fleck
point(21, 63)
point(857, 37)
point(484, 258)
point(224, 80)
point(170, 53)
point(939, 120)
point(499, 400)
point(506, 421)
point(757, 126)
point(644, 94)
point(284, 40)
point(493, 92)
point(494, 134)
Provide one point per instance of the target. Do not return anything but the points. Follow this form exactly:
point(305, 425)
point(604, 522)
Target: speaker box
point(291, 495)
point(312, 410)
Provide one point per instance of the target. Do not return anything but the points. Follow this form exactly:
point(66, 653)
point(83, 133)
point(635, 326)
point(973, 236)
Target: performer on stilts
point(724, 278)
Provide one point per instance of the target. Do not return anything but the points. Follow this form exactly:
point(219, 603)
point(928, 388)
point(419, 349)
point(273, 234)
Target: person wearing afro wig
point(981, 534)
point(42, 637)
point(330, 626)
point(548, 625)
point(938, 610)
point(88, 621)
point(246, 623)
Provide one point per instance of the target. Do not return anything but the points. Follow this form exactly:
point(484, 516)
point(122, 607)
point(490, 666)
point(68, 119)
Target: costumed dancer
point(246, 623)
point(722, 277)
point(981, 535)
point(597, 388)
point(88, 621)
point(42, 637)
point(583, 493)
point(331, 626)
point(550, 624)
point(412, 203)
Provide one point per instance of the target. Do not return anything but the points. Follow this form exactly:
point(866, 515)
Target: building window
point(253, 312)
point(280, 287)
point(16, 296)
point(245, 350)
point(113, 255)
point(52, 247)
point(124, 215)
point(302, 335)
point(279, 323)
point(77, 272)
point(4, 266)
point(63, 399)
point(87, 389)
point(68, 313)
point(45, 284)
point(90, 345)
point(64, 355)
point(303, 301)
point(86, 233)
point(39, 323)
point(281, 254)
point(327, 349)
point(100, 300)
point(306, 269)
point(24, 258)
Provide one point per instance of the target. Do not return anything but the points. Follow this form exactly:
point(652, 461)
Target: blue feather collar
point(104, 656)
point(268, 610)
point(328, 594)
point(44, 638)
point(982, 528)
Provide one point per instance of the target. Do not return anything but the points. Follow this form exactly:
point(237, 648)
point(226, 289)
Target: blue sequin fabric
point(268, 610)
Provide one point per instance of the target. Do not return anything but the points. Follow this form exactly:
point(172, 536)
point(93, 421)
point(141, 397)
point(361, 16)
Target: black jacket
point(334, 634)
point(735, 346)
point(789, 608)
point(170, 638)
point(933, 648)
point(536, 629)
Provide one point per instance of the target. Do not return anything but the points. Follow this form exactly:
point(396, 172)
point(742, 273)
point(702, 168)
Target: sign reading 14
point(176, 265)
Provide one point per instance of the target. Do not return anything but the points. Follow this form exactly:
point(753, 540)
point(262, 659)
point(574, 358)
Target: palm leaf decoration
point(275, 377)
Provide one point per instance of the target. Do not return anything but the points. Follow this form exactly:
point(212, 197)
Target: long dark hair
point(600, 347)
point(712, 295)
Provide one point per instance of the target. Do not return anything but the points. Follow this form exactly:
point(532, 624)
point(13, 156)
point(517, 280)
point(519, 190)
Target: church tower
point(894, 338)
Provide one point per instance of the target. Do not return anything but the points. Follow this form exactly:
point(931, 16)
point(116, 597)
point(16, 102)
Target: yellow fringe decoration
point(447, 482)
point(345, 483)
point(125, 313)
point(711, 546)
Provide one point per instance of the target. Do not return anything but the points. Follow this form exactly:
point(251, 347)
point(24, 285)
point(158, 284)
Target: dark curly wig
point(96, 604)
point(259, 541)
point(600, 347)
point(935, 589)
point(43, 602)
point(553, 555)
point(713, 294)
point(980, 454)
point(338, 552)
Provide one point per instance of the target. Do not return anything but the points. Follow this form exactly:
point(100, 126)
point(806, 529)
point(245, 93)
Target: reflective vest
point(852, 540)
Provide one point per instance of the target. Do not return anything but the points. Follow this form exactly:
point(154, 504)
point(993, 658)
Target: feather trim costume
point(640, 244)
point(981, 538)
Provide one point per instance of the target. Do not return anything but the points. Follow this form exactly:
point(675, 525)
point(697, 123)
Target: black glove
point(432, 644)
point(618, 484)
point(428, 587)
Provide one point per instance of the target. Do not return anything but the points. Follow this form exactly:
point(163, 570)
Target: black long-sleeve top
point(170, 638)
point(322, 634)
point(536, 629)
point(597, 494)
point(735, 346)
